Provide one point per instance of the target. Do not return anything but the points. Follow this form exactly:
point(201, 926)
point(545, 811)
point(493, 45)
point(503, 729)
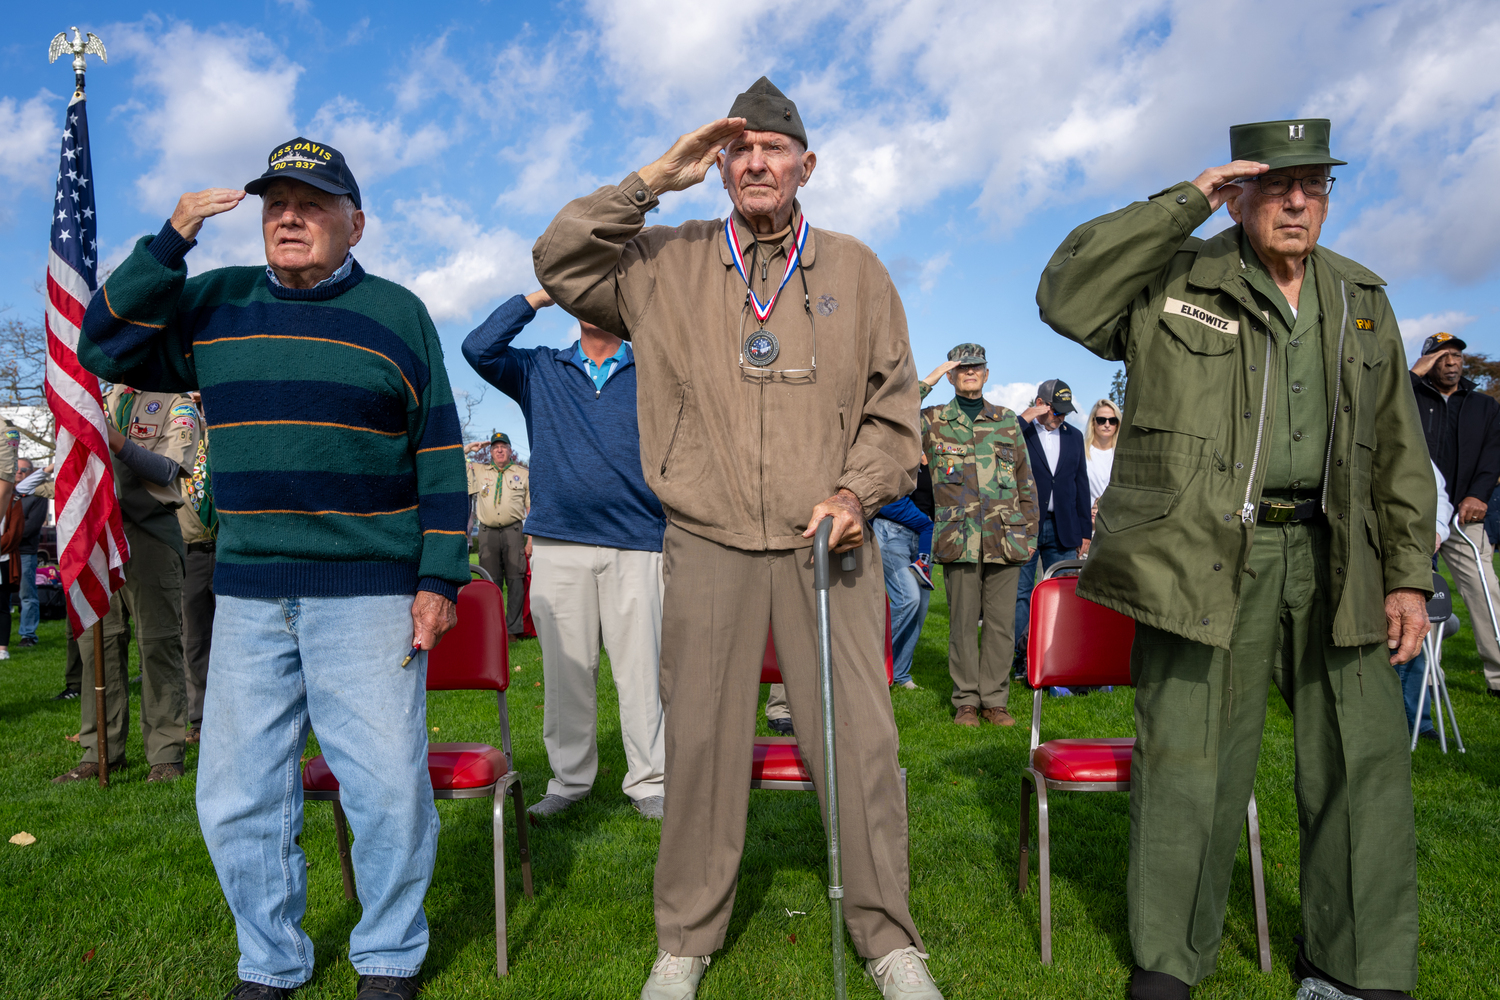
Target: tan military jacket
point(163, 422)
point(735, 459)
point(501, 496)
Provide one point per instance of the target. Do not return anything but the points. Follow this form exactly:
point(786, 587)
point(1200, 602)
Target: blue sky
point(961, 139)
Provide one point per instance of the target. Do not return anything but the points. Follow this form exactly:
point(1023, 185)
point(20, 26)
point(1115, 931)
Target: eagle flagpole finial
point(80, 47)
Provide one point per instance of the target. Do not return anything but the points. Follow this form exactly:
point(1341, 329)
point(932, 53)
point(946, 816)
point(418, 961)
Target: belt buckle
point(1279, 511)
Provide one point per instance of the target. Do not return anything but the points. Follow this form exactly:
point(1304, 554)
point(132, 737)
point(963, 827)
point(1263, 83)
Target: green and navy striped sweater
point(337, 454)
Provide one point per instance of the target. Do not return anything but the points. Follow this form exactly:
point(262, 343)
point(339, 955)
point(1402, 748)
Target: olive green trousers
point(1200, 712)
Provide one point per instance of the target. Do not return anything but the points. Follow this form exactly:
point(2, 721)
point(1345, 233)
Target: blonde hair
point(1088, 431)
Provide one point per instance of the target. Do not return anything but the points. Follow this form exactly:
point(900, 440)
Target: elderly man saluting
point(776, 388)
point(1269, 521)
point(342, 502)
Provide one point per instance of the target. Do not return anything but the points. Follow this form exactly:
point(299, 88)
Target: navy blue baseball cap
point(310, 162)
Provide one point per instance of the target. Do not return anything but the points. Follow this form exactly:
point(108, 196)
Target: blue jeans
point(1411, 674)
point(331, 664)
point(1048, 552)
point(31, 608)
point(898, 550)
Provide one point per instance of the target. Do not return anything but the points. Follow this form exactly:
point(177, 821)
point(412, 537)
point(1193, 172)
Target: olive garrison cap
point(310, 162)
point(968, 354)
point(766, 109)
point(1296, 142)
point(499, 438)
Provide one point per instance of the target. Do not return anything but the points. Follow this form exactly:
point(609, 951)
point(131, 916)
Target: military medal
point(761, 347)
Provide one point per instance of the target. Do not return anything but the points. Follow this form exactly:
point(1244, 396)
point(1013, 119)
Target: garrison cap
point(1295, 142)
point(1056, 394)
point(766, 109)
point(310, 162)
point(968, 354)
point(499, 437)
point(1443, 342)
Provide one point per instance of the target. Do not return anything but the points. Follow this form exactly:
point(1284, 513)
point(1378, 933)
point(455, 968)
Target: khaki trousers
point(1200, 713)
point(719, 602)
point(981, 668)
point(197, 625)
point(583, 596)
point(1466, 577)
point(153, 597)
point(776, 707)
point(502, 554)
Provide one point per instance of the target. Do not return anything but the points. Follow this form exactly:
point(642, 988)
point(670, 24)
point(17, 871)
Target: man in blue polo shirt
point(596, 531)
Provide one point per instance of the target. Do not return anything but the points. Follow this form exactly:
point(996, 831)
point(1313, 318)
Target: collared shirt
point(1297, 449)
point(600, 373)
point(338, 275)
point(1051, 447)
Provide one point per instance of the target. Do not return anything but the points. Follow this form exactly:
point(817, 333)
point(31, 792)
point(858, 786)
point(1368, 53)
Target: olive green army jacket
point(983, 496)
point(1173, 534)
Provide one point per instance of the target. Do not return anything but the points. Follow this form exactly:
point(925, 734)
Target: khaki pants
point(776, 707)
point(1460, 559)
point(582, 596)
point(153, 596)
point(981, 669)
point(1200, 712)
point(502, 554)
point(719, 602)
point(197, 624)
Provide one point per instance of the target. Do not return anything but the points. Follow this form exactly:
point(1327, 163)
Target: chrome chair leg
point(502, 963)
point(346, 866)
point(1258, 887)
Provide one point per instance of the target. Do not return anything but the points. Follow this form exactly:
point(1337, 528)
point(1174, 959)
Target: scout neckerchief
point(762, 347)
point(122, 409)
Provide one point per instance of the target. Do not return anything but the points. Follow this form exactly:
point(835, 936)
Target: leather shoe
point(86, 771)
point(386, 988)
point(194, 734)
point(165, 772)
point(1303, 969)
point(246, 990)
point(997, 715)
point(781, 727)
point(1156, 986)
point(967, 715)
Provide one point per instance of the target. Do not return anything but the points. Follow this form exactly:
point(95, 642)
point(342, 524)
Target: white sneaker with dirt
point(903, 975)
point(674, 977)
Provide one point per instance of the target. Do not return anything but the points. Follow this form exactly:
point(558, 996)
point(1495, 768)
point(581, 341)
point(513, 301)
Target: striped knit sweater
point(337, 455)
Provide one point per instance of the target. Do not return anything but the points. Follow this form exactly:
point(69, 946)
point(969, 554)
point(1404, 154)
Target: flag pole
point(100, 714)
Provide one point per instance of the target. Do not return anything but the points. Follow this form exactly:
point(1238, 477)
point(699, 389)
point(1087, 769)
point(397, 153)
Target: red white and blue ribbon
point(763, 311)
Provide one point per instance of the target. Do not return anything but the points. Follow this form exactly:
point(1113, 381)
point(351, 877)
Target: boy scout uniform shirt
point(502, 496)
point(164, 423)
point(9, 450)
point(733, 459)
point(197, 490)
point(983, 495)
point(1201, 420)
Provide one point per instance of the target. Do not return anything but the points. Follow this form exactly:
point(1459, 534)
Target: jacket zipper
point(1338, 388)
point(1247, 513)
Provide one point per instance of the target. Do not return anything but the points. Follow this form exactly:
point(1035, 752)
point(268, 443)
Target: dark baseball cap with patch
point(1056, 394)
point(968, 354)
point(1443, 342)
point(310, 162)
point(499, 437)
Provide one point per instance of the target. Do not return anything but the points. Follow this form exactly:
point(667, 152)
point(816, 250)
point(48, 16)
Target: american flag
point(92, 550)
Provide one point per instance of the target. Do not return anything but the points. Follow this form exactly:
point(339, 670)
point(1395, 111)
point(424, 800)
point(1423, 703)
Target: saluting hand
point(939, 372)
point(687, 162)
point(1406, 623)
point(195, 206)
point(432, 615)
point(1211, 182)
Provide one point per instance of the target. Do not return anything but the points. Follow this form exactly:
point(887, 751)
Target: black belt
point(200, 546)
point(1273, 511)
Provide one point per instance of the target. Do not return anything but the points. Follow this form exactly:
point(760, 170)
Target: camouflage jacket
point(983, 495)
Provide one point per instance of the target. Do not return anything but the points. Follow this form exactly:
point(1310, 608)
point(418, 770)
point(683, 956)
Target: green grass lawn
point(117, 897)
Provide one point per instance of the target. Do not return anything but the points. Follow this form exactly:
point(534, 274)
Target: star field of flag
point(74, 225)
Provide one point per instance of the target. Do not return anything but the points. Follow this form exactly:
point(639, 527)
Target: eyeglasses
point(1278, 185)
point(1101, 421)
point(794, 376)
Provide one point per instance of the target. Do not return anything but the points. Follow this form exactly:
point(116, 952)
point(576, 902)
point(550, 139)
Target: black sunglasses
point(1101, 421)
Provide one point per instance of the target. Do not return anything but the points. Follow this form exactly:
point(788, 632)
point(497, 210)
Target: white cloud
point(373, 147)
point(1414, 331)
point(550, 168)
point(29, 140)
point(1015, 395)
point(931, 268)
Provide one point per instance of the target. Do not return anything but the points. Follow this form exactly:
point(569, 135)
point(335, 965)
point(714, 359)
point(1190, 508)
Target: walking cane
point(1484, 583)
point(830, 767)
point(101, 738)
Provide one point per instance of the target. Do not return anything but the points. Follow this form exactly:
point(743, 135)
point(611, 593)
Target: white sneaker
point(903, 974)
point(4, 653)
point(674, 977)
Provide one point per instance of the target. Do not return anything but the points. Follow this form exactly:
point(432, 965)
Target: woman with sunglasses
point(1099, 447)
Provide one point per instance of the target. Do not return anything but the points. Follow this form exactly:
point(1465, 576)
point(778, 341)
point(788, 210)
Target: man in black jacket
point(1462, 426)
point(1055, 448)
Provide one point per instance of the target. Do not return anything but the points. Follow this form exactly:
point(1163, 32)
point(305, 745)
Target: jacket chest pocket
point(1005, 467)
point(950, 463)
point(1188, 372)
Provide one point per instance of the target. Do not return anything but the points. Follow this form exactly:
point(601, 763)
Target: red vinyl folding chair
point(778, 764)
point(473, 656)
point(1074, 641)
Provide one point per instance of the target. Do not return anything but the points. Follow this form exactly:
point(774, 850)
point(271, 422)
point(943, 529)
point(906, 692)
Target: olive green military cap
point(766, 109)
point(1295, 142)
point(968, 354)
point(499, 437)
